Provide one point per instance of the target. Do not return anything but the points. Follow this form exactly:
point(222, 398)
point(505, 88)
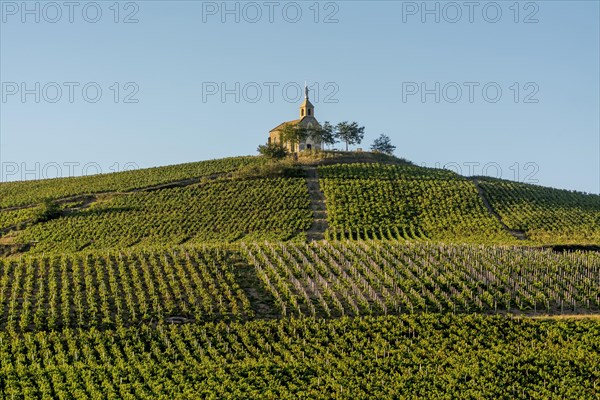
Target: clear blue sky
point(371, 58)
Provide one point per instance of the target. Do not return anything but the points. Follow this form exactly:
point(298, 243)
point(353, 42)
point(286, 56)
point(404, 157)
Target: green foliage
point(126, 318)
point(426, 356)
point(383, 144)
point(33, 192)
point(120, 288)
point(18, 217)
point(323, 134)
point(334, 279)
point(273, 150)
point(293, 133)
point(546, 215)
point(222, 210)
point(380, 171)
point(349, 133)
point(397, 201)
point(116, 289)
point(47, 211)
point(273, 169)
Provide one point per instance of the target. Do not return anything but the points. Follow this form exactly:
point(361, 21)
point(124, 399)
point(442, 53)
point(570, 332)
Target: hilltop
point(328, 195)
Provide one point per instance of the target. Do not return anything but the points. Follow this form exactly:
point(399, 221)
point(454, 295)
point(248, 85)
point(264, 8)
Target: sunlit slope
point(16, 217)
point(223, 210)
point(209, 283)
point(424, 356)
point(32, 192)
point(336, 278)
point(250, 198)
point(392, 201)
point(546, 215)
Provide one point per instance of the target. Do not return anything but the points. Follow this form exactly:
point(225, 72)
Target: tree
point(273, 150)
point(349, 133)
point(383, 144)
point(294, 134)
point(46, 211)
point(323, 134)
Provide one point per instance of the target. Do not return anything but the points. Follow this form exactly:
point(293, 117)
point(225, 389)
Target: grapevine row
point(32, 192)
point(379, 277)
point(547, 215)
point(377, 201)
point(226, 211)
point(119, 289)
point(430, 355)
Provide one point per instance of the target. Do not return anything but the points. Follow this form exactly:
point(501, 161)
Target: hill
point(248, 199)
point(341, 275)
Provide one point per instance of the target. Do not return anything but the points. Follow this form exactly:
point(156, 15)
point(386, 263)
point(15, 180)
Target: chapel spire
point(306, 109)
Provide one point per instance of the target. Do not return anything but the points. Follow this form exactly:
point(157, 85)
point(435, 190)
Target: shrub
point(273, 150)
point(47, 210)
point(274, 169)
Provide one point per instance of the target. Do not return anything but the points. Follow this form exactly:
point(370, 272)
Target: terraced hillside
point(401, 201)
point(391, 201)
point(225, 210)
point(351, 201)
point(211, 280)
point(546, 215)
point(25, 193)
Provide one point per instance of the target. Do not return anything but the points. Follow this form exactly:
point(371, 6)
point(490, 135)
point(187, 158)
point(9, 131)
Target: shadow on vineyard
point(261, 301)
point(572, 248)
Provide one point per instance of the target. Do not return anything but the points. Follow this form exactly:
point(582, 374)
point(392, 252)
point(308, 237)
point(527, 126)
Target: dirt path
point(514, 232)
point(317, 204)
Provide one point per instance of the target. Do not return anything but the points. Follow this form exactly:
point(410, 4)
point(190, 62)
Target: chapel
point(307, 120)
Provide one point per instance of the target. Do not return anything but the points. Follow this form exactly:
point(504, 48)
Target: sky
point(506, 89)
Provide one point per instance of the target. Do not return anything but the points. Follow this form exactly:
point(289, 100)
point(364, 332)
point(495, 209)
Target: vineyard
point(115, 289)
point(225, 211)
point(391, 202)
point(22, 193)
point(363, 201)
point(380, 277)
point(547, 215)
point(15, 218)
point(202, 280)
point(425, 356)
